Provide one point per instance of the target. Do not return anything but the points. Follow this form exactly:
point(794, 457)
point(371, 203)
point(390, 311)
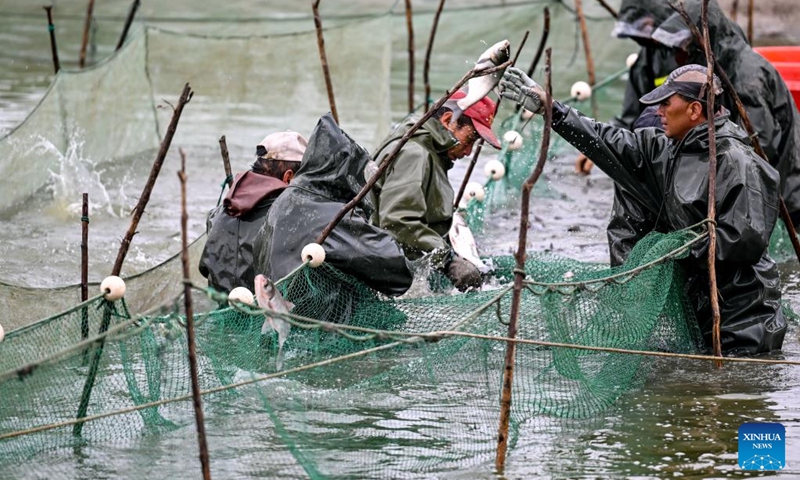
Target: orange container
point(786, 61)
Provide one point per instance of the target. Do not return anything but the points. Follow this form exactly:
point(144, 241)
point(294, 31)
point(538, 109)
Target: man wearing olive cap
point(667, 173)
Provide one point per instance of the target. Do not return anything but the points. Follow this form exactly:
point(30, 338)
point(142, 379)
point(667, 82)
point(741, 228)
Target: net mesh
point(369, 386)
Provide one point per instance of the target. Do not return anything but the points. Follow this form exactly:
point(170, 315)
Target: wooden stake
point(128, 22)
point(712, 188)
point(587, 50)
point(519, 276)
point(324, 59)
point(427, 67)
point(226, 160)
point(750, 22)
point(542, 42)
point(609, 8)
point(410, 29)
point(403, 140)
point(52, 29)
point(138, 210)
point(123, 250)
point(187, 297)
point(85, 41)
point(734, 10)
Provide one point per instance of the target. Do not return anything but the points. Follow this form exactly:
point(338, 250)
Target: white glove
point(520, 88)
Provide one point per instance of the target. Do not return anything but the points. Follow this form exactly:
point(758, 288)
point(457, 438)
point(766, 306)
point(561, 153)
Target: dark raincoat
point(234, 232)
point(331, 174)
point(414, 198)
point(765, 96)
point(670, 181)
point(637, 20)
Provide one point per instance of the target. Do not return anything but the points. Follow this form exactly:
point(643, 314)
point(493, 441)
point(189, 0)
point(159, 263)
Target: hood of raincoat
point(333, 165)
point(640, 18)
point(727, 37)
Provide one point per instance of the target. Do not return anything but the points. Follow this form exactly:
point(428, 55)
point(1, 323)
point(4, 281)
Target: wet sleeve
point(630, 222)
point(402, 202)
point(747, 209)
point(623, 155)
point(370, 254)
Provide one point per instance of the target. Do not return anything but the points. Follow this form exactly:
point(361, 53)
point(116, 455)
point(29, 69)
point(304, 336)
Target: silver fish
point(479, 87)
point(271, 299)
point(463, 243)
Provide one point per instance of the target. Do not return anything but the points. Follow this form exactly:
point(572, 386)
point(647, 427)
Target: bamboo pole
point(85, 272)
point(587, 50)
point(226, 160)
point(728, 86)
point(479, 146)
point(410, 29)
point(542, 42)
point(85, 41)
point(712, 187)
point(187, 298)
point(52, 29)
point(186, 96)
point(403, 140)
point(324, 59)
point(519, 275)
point(128, 22)
point(750, 22)
point(428, 50)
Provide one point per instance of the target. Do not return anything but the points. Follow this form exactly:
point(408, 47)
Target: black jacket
point(331, 174)
point(670, 182)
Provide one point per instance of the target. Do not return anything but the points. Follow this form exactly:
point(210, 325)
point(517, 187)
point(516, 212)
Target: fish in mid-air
point(479, 87)
point(463, 243)
point(271, 299)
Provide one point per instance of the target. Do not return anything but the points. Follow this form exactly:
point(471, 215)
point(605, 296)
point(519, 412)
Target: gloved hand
point(463, 274)
point(519, 87)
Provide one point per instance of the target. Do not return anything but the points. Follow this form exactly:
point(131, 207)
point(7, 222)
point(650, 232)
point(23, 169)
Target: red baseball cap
point(482, 115)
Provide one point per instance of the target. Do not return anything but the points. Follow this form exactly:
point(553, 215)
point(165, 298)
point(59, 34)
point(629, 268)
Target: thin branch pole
point(123, 250)
point(587, 50)
point(519, 275)
point(479, 146)
point(750, 22)
point(52, 29)
point(609, 8)
point(542, 42)
point(427, 66)
point(85, 41)
point(187, 298)
point(226, 160)
point(748, 126)
point(401, 143)
point(128, 22)
point(324, 59)
point(138, 211)
point(734, 10)
point(85, 271)
point(410, 29)
point(712, 187)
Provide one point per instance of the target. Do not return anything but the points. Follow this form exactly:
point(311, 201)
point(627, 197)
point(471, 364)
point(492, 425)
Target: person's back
point(765, 97)
point(331, 175)
point(235, 228)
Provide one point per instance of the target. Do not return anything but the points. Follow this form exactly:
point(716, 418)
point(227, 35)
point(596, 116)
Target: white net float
point(314, 254)
point(474, 190)
point(113, 288)
point(581, 90)
point(494, 169)
point(513, 139)
point(241, 294)
point(631, 59)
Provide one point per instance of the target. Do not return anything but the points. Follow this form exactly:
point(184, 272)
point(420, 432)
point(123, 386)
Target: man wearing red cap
point(414, 198)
